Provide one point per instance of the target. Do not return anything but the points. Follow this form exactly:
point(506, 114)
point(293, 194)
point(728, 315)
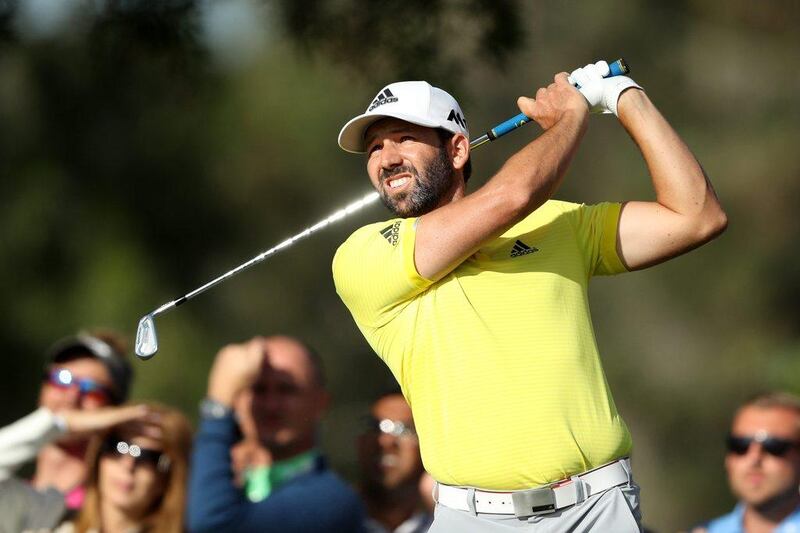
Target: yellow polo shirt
point(497, 359)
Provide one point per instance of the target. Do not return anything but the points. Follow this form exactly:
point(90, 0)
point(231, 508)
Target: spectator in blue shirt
point(298, 493)
point(763, 465)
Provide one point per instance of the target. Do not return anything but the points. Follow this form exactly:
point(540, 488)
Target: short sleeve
point(596, 228)
point(374, 271)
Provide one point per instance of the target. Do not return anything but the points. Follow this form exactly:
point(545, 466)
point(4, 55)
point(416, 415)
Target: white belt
point(540, 500)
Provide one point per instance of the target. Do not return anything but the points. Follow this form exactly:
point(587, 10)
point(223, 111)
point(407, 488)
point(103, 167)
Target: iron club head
point(146, 340)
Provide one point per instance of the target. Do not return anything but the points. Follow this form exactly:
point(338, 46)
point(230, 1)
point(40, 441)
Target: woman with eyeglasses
point(137, 477)
point(86, 377)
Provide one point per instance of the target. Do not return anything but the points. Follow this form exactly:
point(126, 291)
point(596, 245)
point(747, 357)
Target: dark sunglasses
point(390, 427)
point(63, 379)
point(739, 445)
point(114, 447)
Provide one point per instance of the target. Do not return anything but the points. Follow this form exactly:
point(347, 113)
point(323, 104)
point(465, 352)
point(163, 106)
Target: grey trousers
point(613, 511)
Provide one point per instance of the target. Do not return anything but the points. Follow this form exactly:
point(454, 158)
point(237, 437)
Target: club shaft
point(355, 206)
point(615, 68)
point(338, 215)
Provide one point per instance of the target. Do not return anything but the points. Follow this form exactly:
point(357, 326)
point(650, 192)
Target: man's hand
point(601, 93)
point(553, 102)
point(236, 368)
point(82, 421)
point(448, 235)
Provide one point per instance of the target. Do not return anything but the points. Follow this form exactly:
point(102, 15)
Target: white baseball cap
point(413, 101)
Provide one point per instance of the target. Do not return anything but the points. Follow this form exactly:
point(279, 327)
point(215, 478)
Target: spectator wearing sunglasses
point(297, 492)
point(391, 469)
point(84, 376)
point(763, 466)
point(137, 476)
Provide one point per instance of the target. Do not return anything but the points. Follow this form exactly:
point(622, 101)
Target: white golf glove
point(601, 93)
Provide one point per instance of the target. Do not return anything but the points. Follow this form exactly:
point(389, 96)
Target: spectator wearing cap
point(85, 376)
point(763, 466)
point(390, 469)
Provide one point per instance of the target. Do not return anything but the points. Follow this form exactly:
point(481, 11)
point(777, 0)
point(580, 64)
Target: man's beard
point(427, 190)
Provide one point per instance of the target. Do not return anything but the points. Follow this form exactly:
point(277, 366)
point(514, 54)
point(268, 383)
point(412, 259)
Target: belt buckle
point(534, 502)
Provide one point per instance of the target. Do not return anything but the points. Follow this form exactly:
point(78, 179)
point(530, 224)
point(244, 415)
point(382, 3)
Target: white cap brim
point(351, 137)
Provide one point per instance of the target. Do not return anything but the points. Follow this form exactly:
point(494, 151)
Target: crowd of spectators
point(104, 464)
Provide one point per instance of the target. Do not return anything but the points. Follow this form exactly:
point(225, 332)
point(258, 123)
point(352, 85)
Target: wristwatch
point(212, 409)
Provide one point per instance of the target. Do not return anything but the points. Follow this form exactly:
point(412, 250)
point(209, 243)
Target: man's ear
point(459, 150)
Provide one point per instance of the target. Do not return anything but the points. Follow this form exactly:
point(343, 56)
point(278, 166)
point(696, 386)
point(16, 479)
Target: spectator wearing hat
point(84, 378)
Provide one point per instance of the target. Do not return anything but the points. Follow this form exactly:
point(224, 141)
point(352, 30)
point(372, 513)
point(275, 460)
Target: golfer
point(478, 302)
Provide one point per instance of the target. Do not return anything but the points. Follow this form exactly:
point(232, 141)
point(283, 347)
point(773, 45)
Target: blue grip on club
point(616, 68)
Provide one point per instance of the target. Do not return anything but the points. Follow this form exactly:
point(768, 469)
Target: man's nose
point(755, 452)
point(387, 440)
point(270, 401)
point(390, 155)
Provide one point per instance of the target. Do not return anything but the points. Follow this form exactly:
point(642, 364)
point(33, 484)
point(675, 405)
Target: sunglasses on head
point(739, 445)
point(88, 388)
point(114, 447)
point(390, 427)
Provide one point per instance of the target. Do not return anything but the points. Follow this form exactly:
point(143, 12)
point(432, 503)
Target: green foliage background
point(134, 168)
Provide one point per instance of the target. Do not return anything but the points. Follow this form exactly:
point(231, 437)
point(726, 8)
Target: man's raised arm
point(451, 233)
point(686, 212)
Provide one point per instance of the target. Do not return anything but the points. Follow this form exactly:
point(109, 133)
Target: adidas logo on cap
point(416, 102)
point(384, 97)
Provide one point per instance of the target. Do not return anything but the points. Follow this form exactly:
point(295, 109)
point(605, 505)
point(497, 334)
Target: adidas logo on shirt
point(392, 233)
point(520, 248)
point(384, 97)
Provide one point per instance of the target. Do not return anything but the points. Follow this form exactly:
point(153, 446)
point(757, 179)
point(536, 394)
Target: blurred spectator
point(83, 373)
point(391, 469)
point(137, 476)
point(289, 399)
point(426, 485)
point(249, 458)
point(763, 465)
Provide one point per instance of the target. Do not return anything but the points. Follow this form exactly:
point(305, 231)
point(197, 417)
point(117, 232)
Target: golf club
point(146, 339)
point(615, 68)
